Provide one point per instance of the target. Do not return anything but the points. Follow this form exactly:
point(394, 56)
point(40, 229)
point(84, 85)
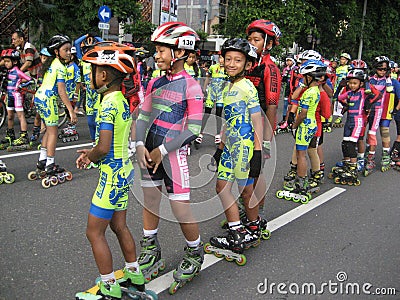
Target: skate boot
point(395, 152)
point(188, 268)
point(369, 164)
point(298, 194)
point(69, 134)
point(21, 143)
point(338, 122)
point(132, 283)
point(150, 260)
point(385, 161)
point(349, 176)
point(55, 175)
point(360, 164)
point(314, 182)
point(230, 246)
point(106, 291)
point(40, 171)
point(291, 175)
point(4, 175)
point(35, 133)
point(337, 170)
point(8, 139)
point(283, 127)
point(322, 171)
point(198, 141)
point(396, 166)
point(327, 127)
point(253, 233)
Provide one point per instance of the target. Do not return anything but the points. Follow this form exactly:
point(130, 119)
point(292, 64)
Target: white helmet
point(310, 54)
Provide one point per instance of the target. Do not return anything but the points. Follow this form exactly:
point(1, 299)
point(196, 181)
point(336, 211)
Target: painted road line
point(37, 151)
point(163, 282)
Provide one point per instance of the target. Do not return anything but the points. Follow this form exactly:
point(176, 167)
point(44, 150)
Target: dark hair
point(20, 33)
point(46, 65)
point(257, 30)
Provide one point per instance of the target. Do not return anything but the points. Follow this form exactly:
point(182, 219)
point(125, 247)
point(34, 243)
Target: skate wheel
point(162, 267)
point(336, 180)
point(54, 180)
point(265, 234)
point(229, 258)
point(147, 279)
point(365, 173)
point(304, 200)
point(60, 136)
point(288, 198)
point(46, 183)
point(32, 176)
point(330, 175)
point(296, 199)
point(68, 176)
point(207, 249)
point(155, 273)
point(64, 140)
point(1, 179)
point(219, 255)
point(173, 288)
point(357, 183)
point(61, 179)
point(9, 178)
point(279, 194)
point(241, 261)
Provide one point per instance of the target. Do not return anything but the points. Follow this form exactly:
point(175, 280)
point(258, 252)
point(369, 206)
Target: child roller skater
point(169, 120)
point(53, 86)
point(242, 152)
point(355, 99)
point(110, 63)
point(313, 72)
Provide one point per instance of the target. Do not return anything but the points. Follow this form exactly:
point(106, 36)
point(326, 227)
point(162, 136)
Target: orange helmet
point(112, 54)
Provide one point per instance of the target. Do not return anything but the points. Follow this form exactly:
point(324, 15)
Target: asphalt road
point(351, 240)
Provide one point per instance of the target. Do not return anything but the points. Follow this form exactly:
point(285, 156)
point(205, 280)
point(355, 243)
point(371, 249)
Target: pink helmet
point(175, 34)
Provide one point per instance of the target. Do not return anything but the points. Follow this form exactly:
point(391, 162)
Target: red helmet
point(175, 34)
point(10, 53)
point(266, 26)
point(358, 64)
point(112, 54)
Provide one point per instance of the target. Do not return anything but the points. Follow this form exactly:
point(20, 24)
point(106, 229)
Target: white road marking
point(163, 282)
point(22, 153)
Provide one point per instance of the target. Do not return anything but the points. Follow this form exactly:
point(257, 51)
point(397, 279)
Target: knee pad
point(385, 134)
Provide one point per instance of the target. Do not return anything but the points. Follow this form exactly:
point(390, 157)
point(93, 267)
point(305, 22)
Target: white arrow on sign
point(105, 14)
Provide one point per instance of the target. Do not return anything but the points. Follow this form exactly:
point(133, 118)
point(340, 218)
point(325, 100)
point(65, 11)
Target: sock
point(360, 155)
point(50, 160)
point(43, 153)
point(193, 244)
point(108, 278)
point(386, 149)
point(93, 144)
point(149, 233)
point(133, 266)
point(371, 152)
point(234, 224)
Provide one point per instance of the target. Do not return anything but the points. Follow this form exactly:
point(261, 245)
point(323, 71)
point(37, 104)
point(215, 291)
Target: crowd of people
point(159, 113)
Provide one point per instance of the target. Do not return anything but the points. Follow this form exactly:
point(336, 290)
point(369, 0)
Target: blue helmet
point(45, 52)
point(313, 67)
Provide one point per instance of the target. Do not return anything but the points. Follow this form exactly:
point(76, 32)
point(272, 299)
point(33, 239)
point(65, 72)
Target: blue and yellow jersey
point(309, 100)
point(57, 72)
point(190, 70)
point(73, 77)
point(114, 115)
point(240, 102)
point(216, 71)
point(92, 97)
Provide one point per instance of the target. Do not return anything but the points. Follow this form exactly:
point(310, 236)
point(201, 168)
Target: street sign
point(104, 26)
point(104, 14)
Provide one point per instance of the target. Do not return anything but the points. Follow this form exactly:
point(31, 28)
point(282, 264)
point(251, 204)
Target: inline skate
point(395, 155)
point(369, 165)
point(69, 134)
point(314, 182)
point(299, 193)
point(349, 175)
point(327, 127)
point(188, 268)
point(8, 139)
point(40, 171)
point(230, 246)
point(337, 169)
point(253, 233)
point(291, 175)
point(150, 260)
point(283, 127)
point(55, 175)
point(385, 161)
point(4, 175)
point(20, 144)
point(265, 233)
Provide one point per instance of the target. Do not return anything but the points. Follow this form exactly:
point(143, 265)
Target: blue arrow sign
point(104, 14)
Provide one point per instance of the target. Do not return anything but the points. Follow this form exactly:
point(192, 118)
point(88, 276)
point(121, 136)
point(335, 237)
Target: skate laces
point(191, 258)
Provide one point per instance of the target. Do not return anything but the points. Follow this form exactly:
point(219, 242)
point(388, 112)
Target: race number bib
point(187, 42)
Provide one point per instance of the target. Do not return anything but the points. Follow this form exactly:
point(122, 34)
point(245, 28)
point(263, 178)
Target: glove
point(216, 157)
point(367, 104)
point(255, 164)
point(394, 111)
